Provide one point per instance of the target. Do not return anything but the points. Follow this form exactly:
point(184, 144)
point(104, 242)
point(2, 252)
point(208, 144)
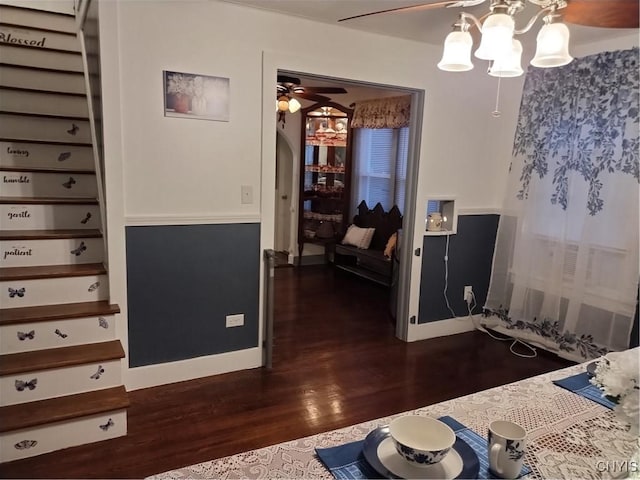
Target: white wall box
point(441, 216)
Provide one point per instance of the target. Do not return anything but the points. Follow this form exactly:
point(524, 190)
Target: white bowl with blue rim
point(421, 441)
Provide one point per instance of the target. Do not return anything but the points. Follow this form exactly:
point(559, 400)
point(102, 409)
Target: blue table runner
point(346, 462)
point(581, 385)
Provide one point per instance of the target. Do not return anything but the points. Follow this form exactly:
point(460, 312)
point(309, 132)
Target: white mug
point(507, 443)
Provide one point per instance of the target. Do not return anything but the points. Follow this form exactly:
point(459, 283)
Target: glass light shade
point(294, 105)
point(456, 56)
point(283, 104)
point(508, 65)
point(552, 49)
point(497, 33)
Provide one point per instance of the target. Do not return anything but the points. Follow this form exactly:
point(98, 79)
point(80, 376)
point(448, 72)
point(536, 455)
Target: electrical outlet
point(235, 320)
point(468, 294)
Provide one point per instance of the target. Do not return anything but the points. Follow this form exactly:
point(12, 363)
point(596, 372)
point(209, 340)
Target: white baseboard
point(441, 328)
point(163, 373)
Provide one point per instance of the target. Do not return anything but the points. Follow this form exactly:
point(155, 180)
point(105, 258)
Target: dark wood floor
point(336, 363)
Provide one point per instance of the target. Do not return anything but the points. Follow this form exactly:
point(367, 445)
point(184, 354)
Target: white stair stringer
point(60, 357)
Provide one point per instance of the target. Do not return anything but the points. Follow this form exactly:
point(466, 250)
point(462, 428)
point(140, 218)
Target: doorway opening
point(289, 155)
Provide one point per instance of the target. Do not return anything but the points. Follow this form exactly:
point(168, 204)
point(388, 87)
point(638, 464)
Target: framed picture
point(190, 95)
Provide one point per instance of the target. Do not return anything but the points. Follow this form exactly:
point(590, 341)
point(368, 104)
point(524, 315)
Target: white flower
point(617, 376)
point(178, 83)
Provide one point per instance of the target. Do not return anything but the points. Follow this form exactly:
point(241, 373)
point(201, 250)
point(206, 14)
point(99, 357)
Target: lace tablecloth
point(569, 435)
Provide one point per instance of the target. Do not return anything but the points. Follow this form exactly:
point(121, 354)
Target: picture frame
point(192, 95)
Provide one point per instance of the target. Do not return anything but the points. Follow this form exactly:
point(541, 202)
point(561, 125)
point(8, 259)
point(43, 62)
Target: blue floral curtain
point(565, 273)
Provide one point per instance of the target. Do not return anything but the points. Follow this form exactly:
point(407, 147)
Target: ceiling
point(429, 26)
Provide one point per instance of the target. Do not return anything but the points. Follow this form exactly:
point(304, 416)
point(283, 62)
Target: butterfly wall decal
point(73, 130)
point(16, 292)
point(78, 251)
point(60, 334)
point(98, 373)
point(25, 444)
point(86, 219)
point(23, 336)
point(103, 322)
point(69, 183)
point(22, 385)
point(107, 425)
point(93, 287)
point(64, 156)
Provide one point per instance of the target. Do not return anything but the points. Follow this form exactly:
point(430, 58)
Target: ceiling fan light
point(294, 105)
point(456, 56)
point(497, 33)
point(552, 48)
point(508, 65)
point(283, 103)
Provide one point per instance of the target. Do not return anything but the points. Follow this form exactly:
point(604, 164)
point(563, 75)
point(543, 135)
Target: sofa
point(370, 262)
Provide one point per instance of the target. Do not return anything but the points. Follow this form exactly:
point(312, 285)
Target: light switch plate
point(246, 194)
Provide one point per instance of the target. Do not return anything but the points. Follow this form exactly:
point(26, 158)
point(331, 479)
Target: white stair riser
point(10, 35)
point(55, 436)
point(47, 291)
point(31, 19)
point(22, 101)
point(67, 251)
point(34, 155)
point(27, 337)
point(48, 217)
point(32, 57)
point(57, 185)
point(41, 80)
point(58, 382)
point(18, 127)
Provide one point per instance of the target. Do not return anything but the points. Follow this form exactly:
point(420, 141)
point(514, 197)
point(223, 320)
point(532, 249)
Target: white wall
point(170, 170)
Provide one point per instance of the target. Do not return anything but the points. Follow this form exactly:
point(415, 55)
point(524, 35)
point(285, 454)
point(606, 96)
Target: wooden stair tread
point(44, 69)
point(36, 360)
point(43, 49)
point(47, 170)
point(38, 10)
point(40, 90)
point(45, 115)
point(51, 271)
point(17, 25)
point(45, 142)
point(62, 311)
point(49, 234)
point(32, 414)
point(48, 201)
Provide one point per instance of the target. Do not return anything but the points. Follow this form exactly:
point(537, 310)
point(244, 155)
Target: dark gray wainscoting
point(182, 281)
point(470, 260)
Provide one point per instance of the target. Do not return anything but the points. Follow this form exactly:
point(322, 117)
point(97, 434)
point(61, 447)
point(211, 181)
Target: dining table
point(568, 436)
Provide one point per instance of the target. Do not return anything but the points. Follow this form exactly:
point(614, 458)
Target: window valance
point(391, 112)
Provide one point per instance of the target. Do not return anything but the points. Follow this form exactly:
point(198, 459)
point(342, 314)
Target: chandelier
point(498, 43)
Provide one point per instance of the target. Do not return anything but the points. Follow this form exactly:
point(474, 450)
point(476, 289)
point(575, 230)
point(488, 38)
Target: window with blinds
point(380, 167)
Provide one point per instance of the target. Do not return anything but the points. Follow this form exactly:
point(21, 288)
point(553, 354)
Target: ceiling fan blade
point(313, 97)
point(288, 79)
point(422, 6)
point(603, 13)
point(319, 90)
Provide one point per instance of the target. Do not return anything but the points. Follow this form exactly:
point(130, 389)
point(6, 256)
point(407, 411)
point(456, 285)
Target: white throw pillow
point(358, 237)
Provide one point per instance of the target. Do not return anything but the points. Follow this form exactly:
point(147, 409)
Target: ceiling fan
point(289, 89)
point(292, 87)
point(591, 13)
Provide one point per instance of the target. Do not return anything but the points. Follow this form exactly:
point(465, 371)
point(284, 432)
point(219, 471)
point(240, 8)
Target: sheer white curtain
point(565, 273)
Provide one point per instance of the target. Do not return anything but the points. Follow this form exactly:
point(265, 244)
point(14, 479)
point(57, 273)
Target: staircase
point(60, 359)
